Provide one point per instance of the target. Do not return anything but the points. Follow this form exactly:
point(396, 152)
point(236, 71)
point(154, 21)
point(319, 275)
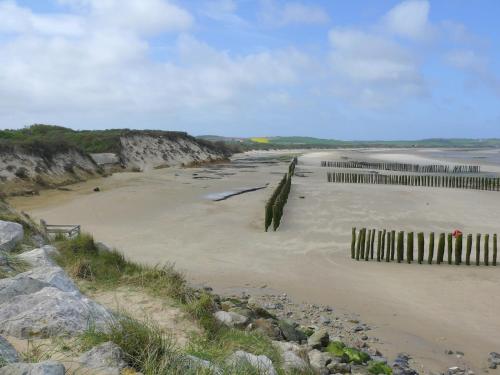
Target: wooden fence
point(391, 246)
point(457, 182)
point(403, 167)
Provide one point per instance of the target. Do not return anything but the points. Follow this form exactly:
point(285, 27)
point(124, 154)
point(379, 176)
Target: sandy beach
point(167, 215)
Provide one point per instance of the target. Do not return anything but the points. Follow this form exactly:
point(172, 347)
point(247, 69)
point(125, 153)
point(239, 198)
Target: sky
point(357, 69)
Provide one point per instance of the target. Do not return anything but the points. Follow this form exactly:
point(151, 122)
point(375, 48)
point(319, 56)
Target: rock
point(10, 235)
point(401, 365)
point(51, 312)
point(195, 363)
point(260, 362)
point(290, 331)
point(455, 371)
point(339, 368)
point(102, 248)
point(42, 368)
point(40, 257)
point(97, 189)
point(268, 327)
point(284, 346)
point(292, 362)
point(7, 352)
point(494, 360)
point(242, 311)
point(323, 320)
point(319, 339)
point(319, 360)
point(231, 319)
point(108, 358)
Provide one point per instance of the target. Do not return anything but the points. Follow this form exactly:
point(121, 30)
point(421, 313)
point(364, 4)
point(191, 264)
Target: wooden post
point(469, 249)
point(409, 247)
point(353, 243)
point(450, 247)
point(421, 245)
point(431, 248)
point(379, 245)
point(458, 250)
point(478, 249)
point(486, 249)
point(441, 243)
point(495, 249)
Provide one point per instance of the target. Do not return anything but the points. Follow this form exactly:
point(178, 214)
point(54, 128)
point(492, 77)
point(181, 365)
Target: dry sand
point(164, 215)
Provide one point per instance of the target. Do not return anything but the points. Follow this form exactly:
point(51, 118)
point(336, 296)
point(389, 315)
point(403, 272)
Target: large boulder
point(494, 360)
point(42, 368)
point(292, 362)
point(35, 280)
point(260, 362)
point(231, 319)
point(401, 365)
point(107, 358)
point(51, 312)
point(319, 360)
point(7, 352)
point(10, 235)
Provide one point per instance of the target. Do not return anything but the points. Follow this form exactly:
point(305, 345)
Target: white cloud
point(373, 70)
point(222, 10)
point(106, 70)
point(292, 13)
point(409, 19)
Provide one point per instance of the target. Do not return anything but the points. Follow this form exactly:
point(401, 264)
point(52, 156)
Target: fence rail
point(70, 230)
point(403, 167)
point(456, 182)
point(390, 247)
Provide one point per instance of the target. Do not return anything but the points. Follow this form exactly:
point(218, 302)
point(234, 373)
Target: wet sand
point(165, 215)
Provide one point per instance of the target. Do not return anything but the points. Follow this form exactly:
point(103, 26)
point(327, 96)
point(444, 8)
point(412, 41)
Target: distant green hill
point(311, 142)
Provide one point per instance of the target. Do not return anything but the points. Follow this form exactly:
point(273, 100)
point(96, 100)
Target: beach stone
point(51, 312)
point(260, 362)
point(10, 235)
point(290, 331)
point(268, 327)
point(494, 360)
point(195, 363)
point(230, 319)
point(456, 371)
point(401, 365)
point(284, 346)
point(42, 368)
point(292, 361)
point(108, 358)
point(7, 352)
point(102, 248)
point(319, 339)
point(319, 360)
point(339, 368)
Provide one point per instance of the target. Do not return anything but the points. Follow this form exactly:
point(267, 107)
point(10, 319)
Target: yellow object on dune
point(260, 140)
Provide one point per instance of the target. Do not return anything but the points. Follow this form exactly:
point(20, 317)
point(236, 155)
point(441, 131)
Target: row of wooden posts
point(457, 182)
point(275, 204)
point(391, 246)
point(403, 167)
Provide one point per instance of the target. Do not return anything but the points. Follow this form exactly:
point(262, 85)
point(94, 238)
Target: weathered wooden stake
point(469, 249)
point(421, 246)
point(486, 249)
point(441, 244)
point(495, 249)
point(458, 250)
point(353, 243)
point(450, 247)
point(431, 248)
point(478, 249)
point(409, 247)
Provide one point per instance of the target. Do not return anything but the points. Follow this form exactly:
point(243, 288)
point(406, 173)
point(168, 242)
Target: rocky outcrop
point(10, 235)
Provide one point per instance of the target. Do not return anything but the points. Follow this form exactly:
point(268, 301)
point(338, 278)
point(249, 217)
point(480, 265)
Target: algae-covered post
point(409, 247)
point(478, 249)
point(469, 249)
point(353, 243)
point(421, 245)
point(458, 249)
point(400, 249)
point(486, 249)
point(441, 245)
point(431, 248)
point(450, 247)
point(494, 249)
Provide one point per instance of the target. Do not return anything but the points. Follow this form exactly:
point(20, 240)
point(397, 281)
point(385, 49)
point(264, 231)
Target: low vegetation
point(148, 348)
